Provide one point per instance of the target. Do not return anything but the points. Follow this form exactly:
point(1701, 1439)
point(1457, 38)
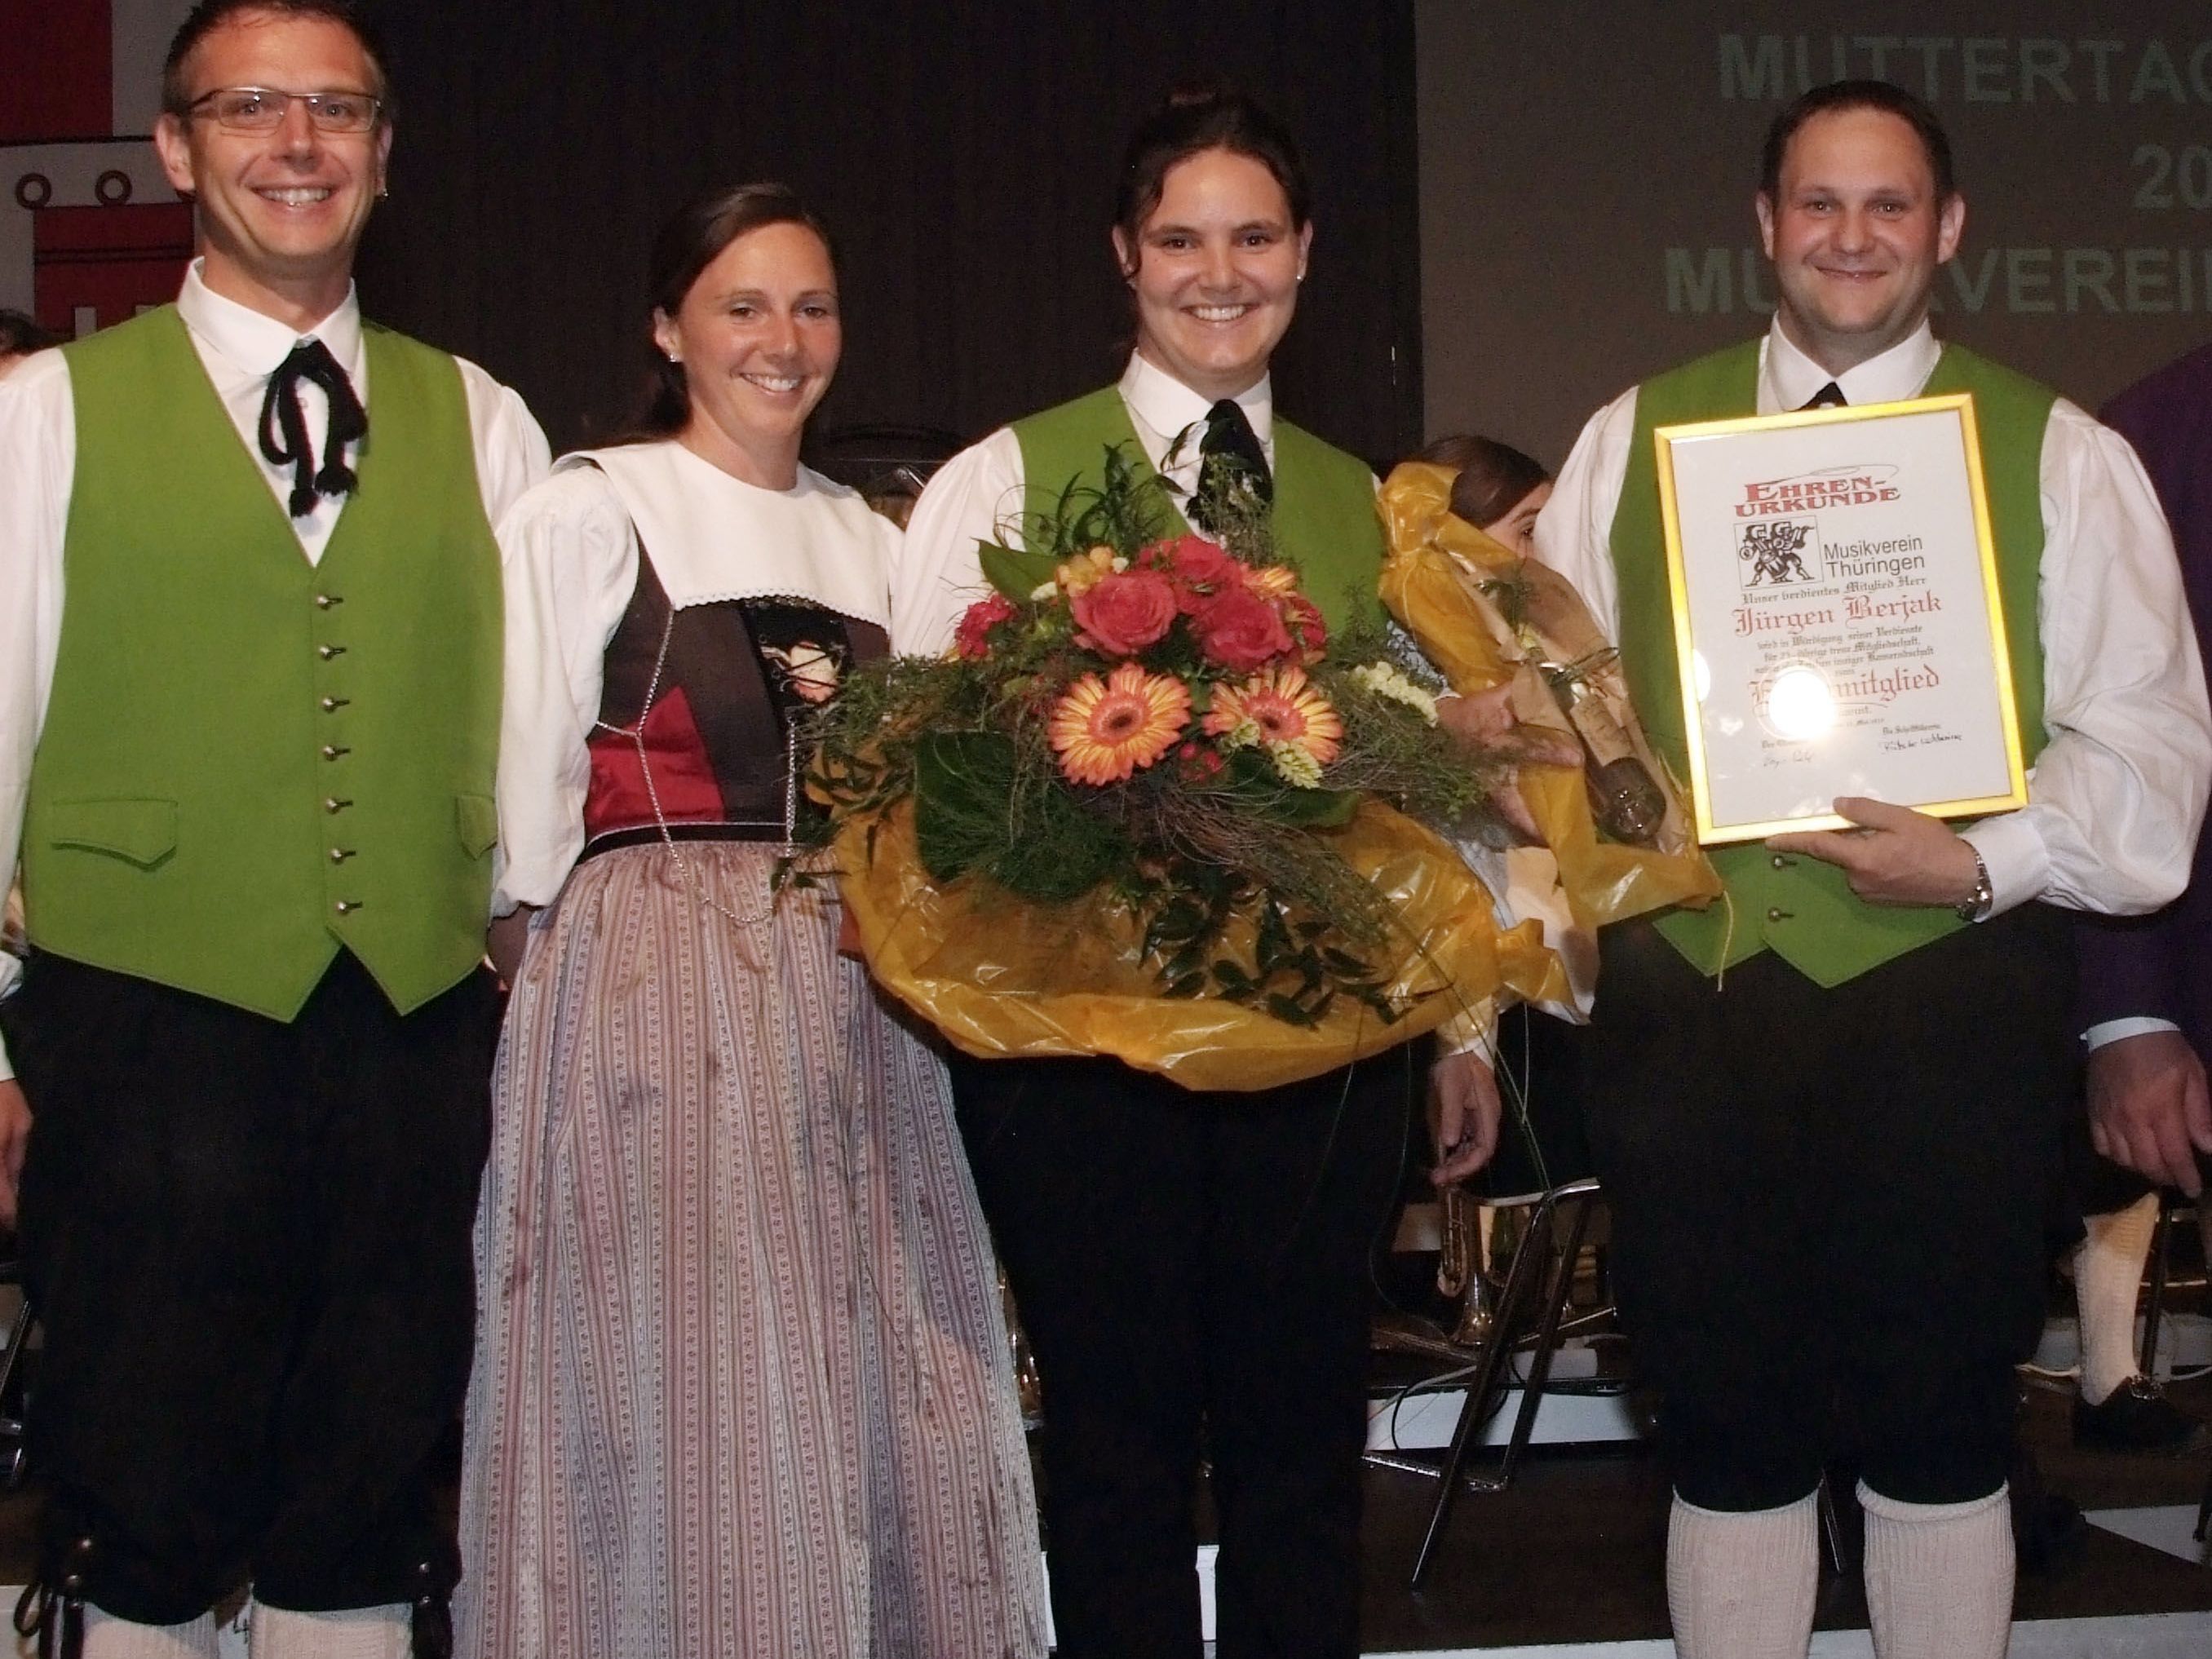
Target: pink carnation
point(972, 638)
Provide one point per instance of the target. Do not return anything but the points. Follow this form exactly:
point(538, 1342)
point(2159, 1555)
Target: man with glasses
point(249, 703)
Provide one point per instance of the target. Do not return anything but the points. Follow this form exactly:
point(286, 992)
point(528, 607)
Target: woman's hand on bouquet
point(1487, 721)
point(1464, 1111)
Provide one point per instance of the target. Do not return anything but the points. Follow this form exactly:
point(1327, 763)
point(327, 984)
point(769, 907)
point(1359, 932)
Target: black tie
point(1233, 471)
point(285, 428)
point(1829, 396)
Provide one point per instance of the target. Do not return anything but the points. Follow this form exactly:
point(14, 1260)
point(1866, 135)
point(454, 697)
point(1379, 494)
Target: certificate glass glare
point(1837, 617)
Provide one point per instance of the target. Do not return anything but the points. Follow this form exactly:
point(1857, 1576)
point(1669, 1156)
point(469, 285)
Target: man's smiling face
point(1855, 233)
point(280, 212)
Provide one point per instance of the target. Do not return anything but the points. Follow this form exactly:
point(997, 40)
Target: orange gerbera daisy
point(1285, 708)
point(1104, 729)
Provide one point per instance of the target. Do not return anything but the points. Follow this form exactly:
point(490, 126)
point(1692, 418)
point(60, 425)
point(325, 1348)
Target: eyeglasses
point(263, 109)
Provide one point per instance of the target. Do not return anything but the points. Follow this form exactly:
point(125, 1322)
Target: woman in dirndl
point(741, 1383)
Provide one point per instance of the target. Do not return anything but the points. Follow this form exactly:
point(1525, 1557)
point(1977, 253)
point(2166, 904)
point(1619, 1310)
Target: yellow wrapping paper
point(1431, 583)
point(1001, 977)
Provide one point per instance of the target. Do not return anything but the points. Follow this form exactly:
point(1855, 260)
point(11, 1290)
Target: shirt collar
point(1789, 379)
point(257, 343)
point(1165, 404)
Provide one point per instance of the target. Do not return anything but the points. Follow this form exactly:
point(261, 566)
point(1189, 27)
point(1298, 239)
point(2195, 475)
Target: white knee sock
point(1740, 1586)
point(1939, 1576)
point(107, 1637)
point(2107, 1271)
point(386, 1633)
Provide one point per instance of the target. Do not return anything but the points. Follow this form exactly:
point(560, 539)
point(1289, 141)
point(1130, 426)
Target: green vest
point(247, 760)
point(1324, 518)
point(1800, 908)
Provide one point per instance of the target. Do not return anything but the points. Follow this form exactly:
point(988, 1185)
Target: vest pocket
point(140, 832)
point(476, 820)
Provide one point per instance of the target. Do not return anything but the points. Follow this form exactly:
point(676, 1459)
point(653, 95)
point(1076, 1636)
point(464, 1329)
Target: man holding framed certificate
point(1826, 1108)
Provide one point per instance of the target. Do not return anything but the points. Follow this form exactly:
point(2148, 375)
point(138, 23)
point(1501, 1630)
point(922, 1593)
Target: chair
point(11, 1371)
point(1547, 1252)
point(886, 463)
point(2173, 1208)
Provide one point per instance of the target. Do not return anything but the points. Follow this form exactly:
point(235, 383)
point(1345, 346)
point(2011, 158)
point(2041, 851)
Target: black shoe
point(2137, 1417)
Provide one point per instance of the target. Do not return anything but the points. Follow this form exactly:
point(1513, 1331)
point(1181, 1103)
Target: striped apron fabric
point(742, 1384)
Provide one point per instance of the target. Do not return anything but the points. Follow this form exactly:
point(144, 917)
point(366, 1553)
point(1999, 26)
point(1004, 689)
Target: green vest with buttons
point(1324, 518)
point(249, 762)
point(1800, 908)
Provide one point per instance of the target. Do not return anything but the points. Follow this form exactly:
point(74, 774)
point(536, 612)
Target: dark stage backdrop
point(1587, 174)
point(962, 153)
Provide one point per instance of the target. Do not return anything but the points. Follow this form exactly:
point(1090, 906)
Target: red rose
point(1302, 617)
point(1200, 568)
point(1122, 613)
point(972, 638)
point(1240, 631)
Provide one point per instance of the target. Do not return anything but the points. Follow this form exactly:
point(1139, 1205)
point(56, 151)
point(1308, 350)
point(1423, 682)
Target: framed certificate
point(1837, 616)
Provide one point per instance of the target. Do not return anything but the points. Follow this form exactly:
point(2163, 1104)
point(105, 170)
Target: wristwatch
point(1976, 904)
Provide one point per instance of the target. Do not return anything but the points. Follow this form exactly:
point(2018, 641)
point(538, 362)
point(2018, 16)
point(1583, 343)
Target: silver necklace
point(636, 732)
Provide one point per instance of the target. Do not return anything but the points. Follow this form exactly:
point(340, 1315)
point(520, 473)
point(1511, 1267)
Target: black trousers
point(249, 1242)
point(1193, 1273)
point(1829, 1204)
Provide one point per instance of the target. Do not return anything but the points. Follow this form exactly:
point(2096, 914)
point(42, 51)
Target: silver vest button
point(1781, 862)
point(324, 601)
point(1775, 914)
point(333, 804)
point(326, 652)
point(331, 751)
point(332, 705)
point(340, 854)
point(347, 907)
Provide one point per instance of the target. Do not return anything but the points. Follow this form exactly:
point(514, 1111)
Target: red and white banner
point(90, 232)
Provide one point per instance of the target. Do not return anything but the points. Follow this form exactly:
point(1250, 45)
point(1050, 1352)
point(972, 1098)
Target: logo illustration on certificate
point(1771, 551)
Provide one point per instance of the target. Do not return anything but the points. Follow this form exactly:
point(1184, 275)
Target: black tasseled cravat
point(284, 427)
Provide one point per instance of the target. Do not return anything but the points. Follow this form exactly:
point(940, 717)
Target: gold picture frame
point(1755, 448)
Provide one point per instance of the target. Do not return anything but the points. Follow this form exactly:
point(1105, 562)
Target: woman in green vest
point(1191, 1268)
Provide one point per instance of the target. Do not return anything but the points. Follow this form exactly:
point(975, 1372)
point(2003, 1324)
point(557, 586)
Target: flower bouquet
point(1147, 807)
point(1615, 839)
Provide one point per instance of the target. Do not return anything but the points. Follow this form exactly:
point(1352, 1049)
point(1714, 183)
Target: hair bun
point(1201, 113)
point(1196, 91)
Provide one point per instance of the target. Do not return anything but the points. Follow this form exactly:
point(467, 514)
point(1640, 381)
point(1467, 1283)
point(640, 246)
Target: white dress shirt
point(568, 555)
point(2117, 796)
point(979, 494)
point(240, 349)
